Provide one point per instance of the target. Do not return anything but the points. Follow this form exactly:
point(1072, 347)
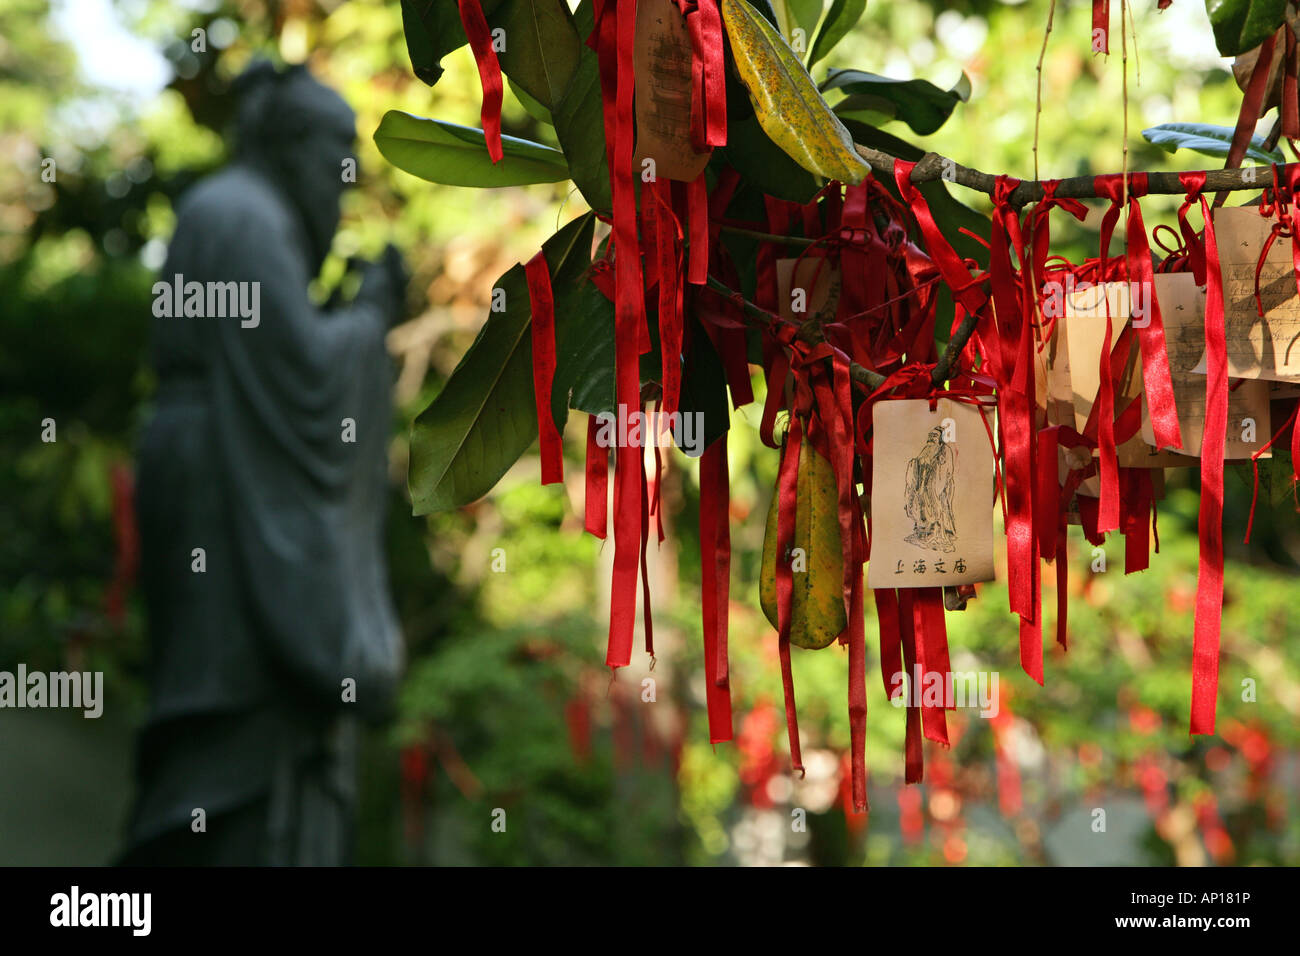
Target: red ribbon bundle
point(708, 73)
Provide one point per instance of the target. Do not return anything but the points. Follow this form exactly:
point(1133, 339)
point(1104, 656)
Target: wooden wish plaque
point(931, 495)
point(662, 63)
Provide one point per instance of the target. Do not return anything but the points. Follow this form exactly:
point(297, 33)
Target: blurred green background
point(507, 704)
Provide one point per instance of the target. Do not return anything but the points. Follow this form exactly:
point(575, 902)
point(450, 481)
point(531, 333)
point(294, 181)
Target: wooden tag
point(1059, 392)
point(818, 281)
point(1182, 307)
point(661, 61)
point(932, 495)
point(1257, 348)
point(1085, 328)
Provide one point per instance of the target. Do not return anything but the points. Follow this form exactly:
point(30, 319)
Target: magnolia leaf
point(842, 17)
point(704, 389)
point(789, 108)
point(580, 121)
point(457, 155)
point(1207, 139)
point(533, 108)
point(803, 15)
point(433, 29)
point(584, 352)
point(764, 165)
point(542, 49)
point(485, 417)
point(1241, 25)
point(918, 103)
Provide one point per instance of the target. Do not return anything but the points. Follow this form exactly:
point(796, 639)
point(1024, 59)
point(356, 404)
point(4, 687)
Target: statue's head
point(301, 133)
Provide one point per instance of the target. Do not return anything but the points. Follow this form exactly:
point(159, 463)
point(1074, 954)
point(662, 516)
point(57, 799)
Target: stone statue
point(261, 498)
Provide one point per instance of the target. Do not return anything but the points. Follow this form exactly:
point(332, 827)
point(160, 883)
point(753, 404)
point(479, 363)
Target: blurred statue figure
point(261, 497)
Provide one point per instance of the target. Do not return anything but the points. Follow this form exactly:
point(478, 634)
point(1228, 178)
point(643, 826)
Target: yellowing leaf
point(785, 98)
point(817, 615)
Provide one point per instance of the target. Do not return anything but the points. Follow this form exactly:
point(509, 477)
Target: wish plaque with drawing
point(931, 495)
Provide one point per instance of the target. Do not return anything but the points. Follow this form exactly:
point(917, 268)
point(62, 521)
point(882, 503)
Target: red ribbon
point(930, 631)
point(1101, 21)
point(697, 201)
point(543, 335)
point(964, 288)
point(1252, 104)
point(914, 759)
point(708, 73)
point(787, 497)
point(1139, 495)
point(489, 73)
point(1158, 385)
point(715, 585)
point(1209, 577)
point(596, 503)
point(835, 402)
point(668, 250)
point(1016, 401)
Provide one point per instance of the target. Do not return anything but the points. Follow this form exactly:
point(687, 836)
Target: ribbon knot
point(1111, 186)
point(1003, 187)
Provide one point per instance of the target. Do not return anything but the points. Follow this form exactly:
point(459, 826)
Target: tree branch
point(930, 168)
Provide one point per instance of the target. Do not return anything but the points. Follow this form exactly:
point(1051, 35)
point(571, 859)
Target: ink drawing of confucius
point(927, 500)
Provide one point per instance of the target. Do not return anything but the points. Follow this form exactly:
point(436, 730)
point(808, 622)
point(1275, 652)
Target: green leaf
point(584, 353)
point(580, 122)
point(704, 386)
point(457, 155)
point(1274, 477)
point(433, 29)
point(1241, 25)
point(789, 107)
point(764, 165)
point(485, 417)
point(1207, 139)
point(919, 103)
point(842, 17)
point(542, 47)
point(533, 108)
point(794, 15)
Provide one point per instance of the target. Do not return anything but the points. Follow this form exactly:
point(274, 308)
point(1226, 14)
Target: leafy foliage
point(919, 103)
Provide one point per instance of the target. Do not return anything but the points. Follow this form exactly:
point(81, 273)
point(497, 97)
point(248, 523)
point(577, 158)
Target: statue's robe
point(245, 458)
